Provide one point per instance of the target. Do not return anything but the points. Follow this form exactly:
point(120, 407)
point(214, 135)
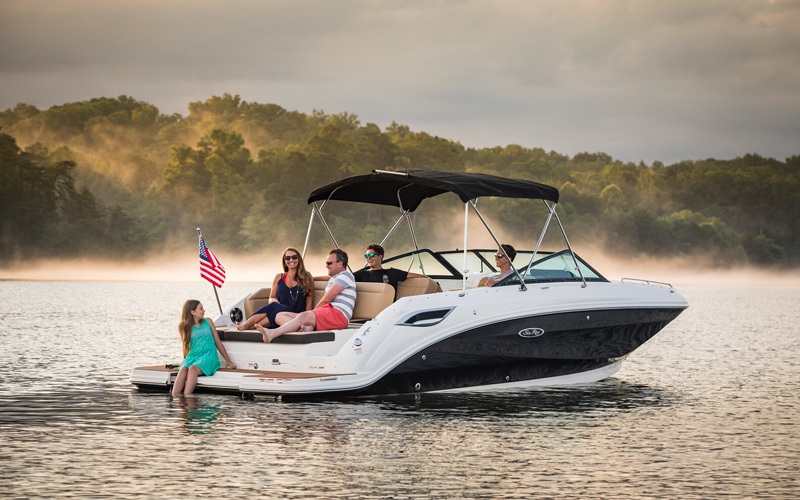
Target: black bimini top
point(407, 189)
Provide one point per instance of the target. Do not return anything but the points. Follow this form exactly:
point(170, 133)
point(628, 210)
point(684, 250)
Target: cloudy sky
point(639, 80)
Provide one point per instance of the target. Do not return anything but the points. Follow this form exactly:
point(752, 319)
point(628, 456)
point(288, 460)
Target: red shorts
point(330, 318)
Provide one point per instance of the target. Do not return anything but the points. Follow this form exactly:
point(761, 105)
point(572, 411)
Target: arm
point(273, 293)
point(332, 292)
point(220, 347)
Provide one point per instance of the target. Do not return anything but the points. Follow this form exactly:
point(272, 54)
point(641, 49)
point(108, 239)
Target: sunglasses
point(499, 256)
point(328, 263)
point(369, 255)
point(287, 258)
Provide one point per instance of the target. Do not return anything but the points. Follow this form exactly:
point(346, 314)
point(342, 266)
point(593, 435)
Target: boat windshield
point(448, 264)
point(425, 262)
point(556, 267)
point(482, 260)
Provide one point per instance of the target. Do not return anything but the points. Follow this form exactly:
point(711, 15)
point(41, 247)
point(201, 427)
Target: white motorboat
point(555, 320)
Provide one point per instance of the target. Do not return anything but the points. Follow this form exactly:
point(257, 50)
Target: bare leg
point(263, 322)
point(252, 320)
point(180, 381)
point(284, 317)
point(300, 321)
point(191, 379)
point(266, 334)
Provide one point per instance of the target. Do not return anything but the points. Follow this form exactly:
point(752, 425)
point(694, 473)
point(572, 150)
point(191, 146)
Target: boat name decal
point(529, 333)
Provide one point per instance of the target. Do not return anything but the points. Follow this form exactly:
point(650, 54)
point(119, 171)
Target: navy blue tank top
point(292, 298)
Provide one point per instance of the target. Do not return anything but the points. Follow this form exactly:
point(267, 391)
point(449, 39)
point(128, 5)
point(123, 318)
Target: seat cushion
point(286, 338)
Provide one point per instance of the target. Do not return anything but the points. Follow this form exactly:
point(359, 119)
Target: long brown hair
point(303, 277)
point(187, 321)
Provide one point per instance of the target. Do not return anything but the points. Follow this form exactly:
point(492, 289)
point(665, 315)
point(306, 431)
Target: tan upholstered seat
point(416, 286)
point(256, 300)
point(319, 291)
point(371, 298)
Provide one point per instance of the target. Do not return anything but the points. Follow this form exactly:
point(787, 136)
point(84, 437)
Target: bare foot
point(240, 326)
point(306, 328)
point(264, 333)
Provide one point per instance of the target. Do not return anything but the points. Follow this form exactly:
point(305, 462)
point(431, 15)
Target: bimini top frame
point(407, 189)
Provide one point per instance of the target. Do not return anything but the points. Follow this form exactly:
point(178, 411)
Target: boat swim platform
point(247, 372)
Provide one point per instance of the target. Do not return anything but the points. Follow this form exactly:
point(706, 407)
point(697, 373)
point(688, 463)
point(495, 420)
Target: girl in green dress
point(200, 345)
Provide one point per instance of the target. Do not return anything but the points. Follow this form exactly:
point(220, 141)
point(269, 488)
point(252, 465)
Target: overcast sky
point(639, 80)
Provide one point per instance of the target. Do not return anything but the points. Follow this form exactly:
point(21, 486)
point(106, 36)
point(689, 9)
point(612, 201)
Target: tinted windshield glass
point(482, 261)
point(474, 263)
point(422, 263)
point(522, 258)
point(558, 267)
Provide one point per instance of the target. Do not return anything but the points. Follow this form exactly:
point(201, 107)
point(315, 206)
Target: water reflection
point(201, 412)
point(63, 407)
point(608, 395)
point(199, 417)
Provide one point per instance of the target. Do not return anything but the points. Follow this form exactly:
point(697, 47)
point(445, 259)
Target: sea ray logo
point(530, 333)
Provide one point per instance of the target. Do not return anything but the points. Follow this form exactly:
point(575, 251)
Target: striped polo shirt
point(346, 300)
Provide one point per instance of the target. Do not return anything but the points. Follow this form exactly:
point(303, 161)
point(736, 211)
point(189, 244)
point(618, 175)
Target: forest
point(114, 177)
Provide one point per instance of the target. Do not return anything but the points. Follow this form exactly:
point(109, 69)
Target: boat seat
point(416, 286)
point(287, 338)
point(371, 298)
point(255, 301)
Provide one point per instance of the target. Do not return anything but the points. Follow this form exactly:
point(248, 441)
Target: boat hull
point(514, 376)
point(496, 355)
point(573, 336)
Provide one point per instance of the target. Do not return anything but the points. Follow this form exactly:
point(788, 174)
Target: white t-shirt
point(494, 279)
point(346, 300)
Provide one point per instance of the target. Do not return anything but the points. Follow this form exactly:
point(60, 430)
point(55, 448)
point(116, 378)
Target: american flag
point(210, 268)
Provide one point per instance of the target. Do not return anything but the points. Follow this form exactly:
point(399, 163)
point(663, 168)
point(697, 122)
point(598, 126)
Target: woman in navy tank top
point(292, 290)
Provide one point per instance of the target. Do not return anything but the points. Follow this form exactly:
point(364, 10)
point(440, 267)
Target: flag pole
point(219, 304)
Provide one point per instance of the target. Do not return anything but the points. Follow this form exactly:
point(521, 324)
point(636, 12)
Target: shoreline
point(253, 270)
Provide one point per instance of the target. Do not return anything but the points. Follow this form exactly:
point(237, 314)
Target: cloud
point(638, 80)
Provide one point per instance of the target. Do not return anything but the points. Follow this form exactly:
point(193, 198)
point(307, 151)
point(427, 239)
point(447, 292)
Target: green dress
point(202, 350)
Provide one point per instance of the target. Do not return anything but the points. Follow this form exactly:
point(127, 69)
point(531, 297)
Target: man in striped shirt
point(332, 312)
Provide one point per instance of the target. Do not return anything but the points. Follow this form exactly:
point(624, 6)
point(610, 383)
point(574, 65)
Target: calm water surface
point(709, 408)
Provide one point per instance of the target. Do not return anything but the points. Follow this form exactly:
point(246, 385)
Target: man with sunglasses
point(502, 263)
point(375, 273)
point(334, 310)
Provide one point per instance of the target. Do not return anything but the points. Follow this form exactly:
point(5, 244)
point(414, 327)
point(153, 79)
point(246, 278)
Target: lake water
point(708, 408)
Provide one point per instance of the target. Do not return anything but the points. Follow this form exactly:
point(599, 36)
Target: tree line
point(115, 177)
